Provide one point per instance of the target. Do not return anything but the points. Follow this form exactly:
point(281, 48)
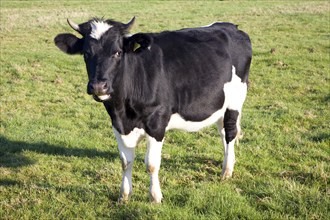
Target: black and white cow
point(153, 82)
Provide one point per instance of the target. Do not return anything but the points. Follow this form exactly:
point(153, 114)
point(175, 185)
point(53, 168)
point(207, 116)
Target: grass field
point(58, 155)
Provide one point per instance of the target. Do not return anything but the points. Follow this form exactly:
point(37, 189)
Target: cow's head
point(103, 45)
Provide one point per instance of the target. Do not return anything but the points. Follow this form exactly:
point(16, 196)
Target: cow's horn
point(129, 25)
point(73, 25)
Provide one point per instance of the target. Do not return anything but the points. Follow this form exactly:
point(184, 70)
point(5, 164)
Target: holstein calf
point(152, 82)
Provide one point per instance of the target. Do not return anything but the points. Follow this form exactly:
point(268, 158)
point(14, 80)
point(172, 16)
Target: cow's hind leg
point(235, 91)
point(239, 130)
point(222, 133)
point(152, 161)
point(229, 132)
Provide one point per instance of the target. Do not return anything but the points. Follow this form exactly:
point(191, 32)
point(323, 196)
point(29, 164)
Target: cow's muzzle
point(99, 90)
point(102, 98)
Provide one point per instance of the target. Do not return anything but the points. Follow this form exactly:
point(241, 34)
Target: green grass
point(58, 156)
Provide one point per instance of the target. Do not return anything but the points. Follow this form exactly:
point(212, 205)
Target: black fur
point(230, 124)
point(69, 43)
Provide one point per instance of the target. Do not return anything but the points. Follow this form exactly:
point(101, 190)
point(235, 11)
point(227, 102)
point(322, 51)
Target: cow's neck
point(136, 84)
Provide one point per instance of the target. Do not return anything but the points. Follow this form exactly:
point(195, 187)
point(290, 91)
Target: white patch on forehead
point(99, 28)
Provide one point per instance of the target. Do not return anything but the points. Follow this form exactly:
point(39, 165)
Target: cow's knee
point(125, 164)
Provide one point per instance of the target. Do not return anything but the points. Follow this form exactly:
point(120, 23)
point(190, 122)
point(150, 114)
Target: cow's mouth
point(101, 98)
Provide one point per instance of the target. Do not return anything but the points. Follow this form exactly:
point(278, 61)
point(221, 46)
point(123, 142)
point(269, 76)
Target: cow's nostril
point(98, 88)
point(104, 86)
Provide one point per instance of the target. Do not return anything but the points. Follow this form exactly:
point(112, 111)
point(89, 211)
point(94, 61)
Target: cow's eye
point(117, 54)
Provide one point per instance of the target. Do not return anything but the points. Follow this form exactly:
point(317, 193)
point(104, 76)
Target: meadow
point(58, 155)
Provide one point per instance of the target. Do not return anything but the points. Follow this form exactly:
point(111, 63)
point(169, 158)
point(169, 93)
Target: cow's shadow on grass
point(112, 195)
point(12, 155)
point(11, 152)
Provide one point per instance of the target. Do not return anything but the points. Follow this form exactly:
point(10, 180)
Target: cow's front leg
point(127, 158)
point(152, 161)
point(126, 147)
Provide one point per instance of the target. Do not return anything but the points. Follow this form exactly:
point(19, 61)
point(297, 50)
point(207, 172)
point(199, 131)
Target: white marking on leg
point(127, 155)
point(239, 130)
point(133, 138)
point(228, 151)
point(222, 133)
point(99, 28)
point(152, 161)
point(229, 160)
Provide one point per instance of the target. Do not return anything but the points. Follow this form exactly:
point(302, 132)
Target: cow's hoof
point(156, 197)
point(226, 174)
point(123, 199)
point(240, 135)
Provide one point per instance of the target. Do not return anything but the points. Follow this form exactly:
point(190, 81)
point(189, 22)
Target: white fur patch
point(152, 160)
point(177, 122)
point(127, 158)
point(209, 25)
point(132, 139)
point(153, 155)
point(128, 35)
point(229, 160)
point(99, 28)
point(104, 97)
point(235, 93)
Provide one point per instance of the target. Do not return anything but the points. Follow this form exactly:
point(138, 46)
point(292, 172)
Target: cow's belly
point(235, 94)
point(177, 122)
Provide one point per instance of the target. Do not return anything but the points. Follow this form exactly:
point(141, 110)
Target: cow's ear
point(137, 43)
point(69, 43)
